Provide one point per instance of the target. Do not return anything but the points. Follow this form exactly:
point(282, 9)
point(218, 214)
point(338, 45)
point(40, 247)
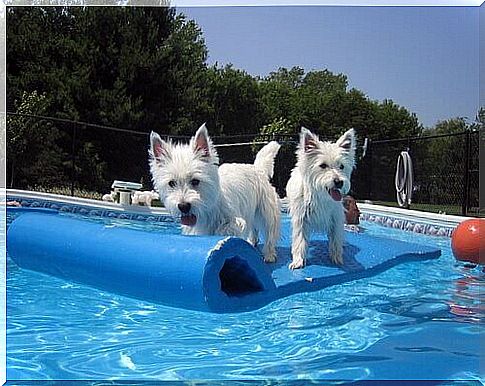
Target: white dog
point(318, 181)
point(145, 197)
point(231, 199)
point(110, 197)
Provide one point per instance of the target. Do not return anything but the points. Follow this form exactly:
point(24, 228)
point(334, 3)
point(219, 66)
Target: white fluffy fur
point(311, 207)
point(110, 197)
point(233, 199)
point(144, 197)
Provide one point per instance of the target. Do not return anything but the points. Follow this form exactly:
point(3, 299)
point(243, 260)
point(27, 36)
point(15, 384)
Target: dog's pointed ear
point(201, 143)
point(158, 147)
point(308, 140)
point(347, 143)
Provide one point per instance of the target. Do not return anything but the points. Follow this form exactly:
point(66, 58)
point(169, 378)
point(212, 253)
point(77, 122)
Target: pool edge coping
point(435, 218)
point(88, 202)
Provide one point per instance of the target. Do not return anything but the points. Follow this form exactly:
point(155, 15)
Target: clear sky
point(424, 58)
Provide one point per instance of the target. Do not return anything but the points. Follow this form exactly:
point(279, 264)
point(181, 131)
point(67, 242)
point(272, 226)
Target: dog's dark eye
point(195, 182)
point(341, 167)
point(172, 183)
point(324, 166)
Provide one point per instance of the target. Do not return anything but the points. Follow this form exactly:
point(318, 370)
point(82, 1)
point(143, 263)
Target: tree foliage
point(235, 104)
point(32, 146)
point(129, 67)
point(322, 101)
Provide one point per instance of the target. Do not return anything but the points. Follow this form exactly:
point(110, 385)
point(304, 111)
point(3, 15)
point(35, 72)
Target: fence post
point(370, 163)
point(466, 182)
point(73, 158)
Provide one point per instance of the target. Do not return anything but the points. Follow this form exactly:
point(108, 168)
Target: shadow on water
point(318, 256)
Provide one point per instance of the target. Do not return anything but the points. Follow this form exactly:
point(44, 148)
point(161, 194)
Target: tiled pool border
point(411, 221)
point(433, 224)
point(88, 207)
point(408, 225)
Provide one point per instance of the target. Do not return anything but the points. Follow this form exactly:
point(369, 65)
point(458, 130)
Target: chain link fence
point(67, 157)
point(446, 172)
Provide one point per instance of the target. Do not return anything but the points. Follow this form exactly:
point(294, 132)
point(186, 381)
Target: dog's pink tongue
point(189, 220)
point(335, 194)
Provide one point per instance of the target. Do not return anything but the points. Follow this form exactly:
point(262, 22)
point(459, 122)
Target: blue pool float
point(205, 273)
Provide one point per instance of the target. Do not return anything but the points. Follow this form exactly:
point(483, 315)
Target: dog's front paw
point(270, 258)
point(296, 264)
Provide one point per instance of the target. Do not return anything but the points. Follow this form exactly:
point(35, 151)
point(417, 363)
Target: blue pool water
point(421, 320)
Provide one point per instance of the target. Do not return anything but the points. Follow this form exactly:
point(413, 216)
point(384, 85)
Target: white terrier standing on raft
point(231, 199)
point(315, 189)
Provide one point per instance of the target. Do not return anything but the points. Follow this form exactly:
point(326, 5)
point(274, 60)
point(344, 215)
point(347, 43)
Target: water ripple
point(359, 330)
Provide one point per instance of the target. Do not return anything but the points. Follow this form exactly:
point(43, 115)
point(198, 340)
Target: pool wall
point(411, 220)
point(404, 219)
point(88, 207)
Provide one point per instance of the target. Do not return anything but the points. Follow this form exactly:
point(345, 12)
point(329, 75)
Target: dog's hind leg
point(268, 220)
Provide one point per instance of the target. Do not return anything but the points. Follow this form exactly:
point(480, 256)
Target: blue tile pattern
point(89, 211)
point(408, 225)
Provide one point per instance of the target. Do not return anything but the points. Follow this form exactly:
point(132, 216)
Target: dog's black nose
point(338, 183)
point(184, 207)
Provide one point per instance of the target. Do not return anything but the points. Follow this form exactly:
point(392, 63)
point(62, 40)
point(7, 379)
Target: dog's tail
point(264, 161)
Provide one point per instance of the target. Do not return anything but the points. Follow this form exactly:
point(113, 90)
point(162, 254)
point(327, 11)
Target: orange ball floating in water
point(468, 241)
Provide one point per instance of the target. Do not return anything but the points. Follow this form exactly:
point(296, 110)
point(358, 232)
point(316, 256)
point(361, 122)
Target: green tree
point(131, 67)
point(235, 102)
point(450, 126)
point(33, 154)
point(278, 94)
point(394, 121)
point(322, 101)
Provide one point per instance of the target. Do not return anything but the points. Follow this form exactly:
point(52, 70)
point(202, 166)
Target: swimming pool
point(420, 320)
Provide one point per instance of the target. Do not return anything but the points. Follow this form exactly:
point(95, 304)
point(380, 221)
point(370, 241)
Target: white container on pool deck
point(125, 197)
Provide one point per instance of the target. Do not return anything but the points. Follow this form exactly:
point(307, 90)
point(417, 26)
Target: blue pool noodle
point(181, 271)
point(205, 273)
